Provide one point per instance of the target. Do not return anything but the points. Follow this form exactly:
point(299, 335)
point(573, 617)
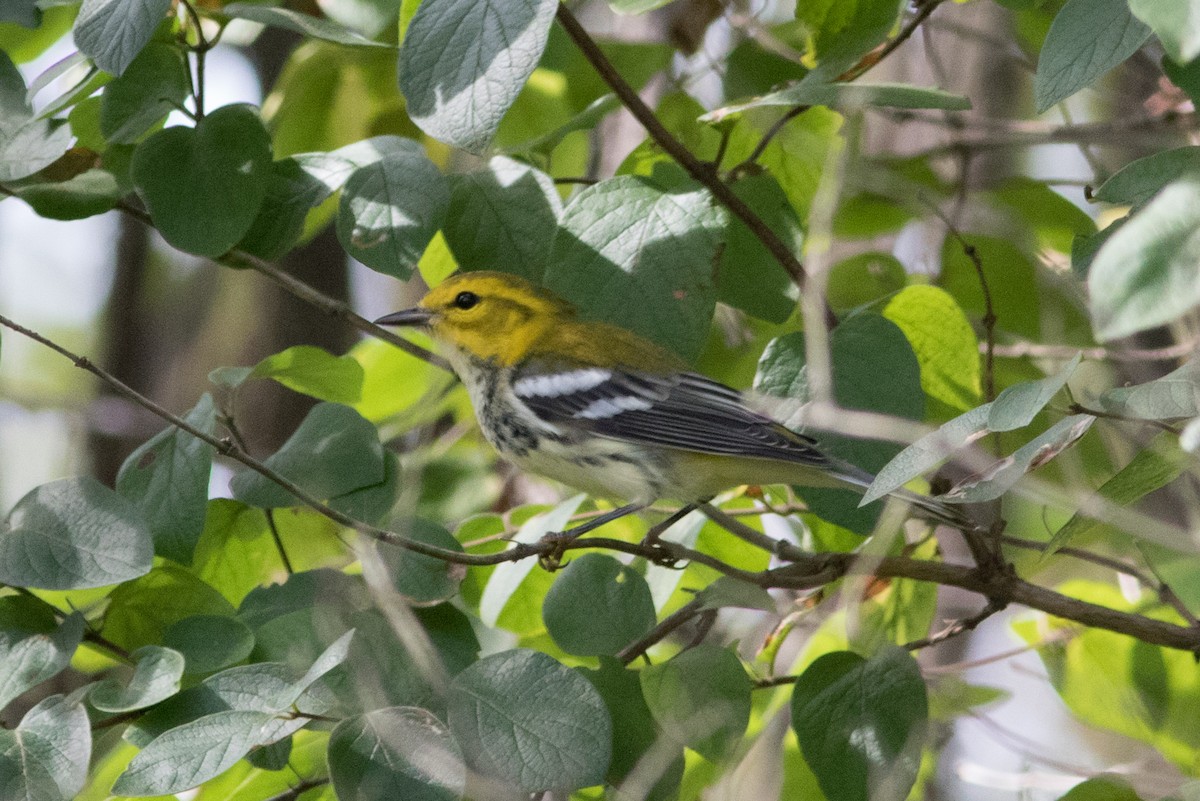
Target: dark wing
point(678, 410)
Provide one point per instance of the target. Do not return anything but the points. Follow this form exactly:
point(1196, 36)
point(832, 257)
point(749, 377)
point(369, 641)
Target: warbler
point(607, 411)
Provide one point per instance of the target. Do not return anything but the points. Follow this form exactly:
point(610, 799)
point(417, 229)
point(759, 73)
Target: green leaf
point(465, 61)
point(368, 17)
point(1140, 180)
point(167, 479)
point(140, 612)
point(849, 95)
point(390, 209)
point(87, 194)
point(268, 688)
point(237, 551)
point(275, 756)
point(73, 534)
point(1175, 395)
point(508, 577)
point(209, 642)
point(637, 6)
point(291, 194)
point(153, 678)
point(1054, 220)
point(26, 144)
point(861, 723)
point(333, 452)
point(1185, 76)
point(943, 341)
point(1016, 406)
point(1155, 465)
point(1146, 275)
point(498, 715)
point(864, 278)
point(928, 452)
point(1030, 456)
point(597, 606)
point(303, 24)
point(750, 278)
point(796, 156)
point(154, 85)
point(33, 645)
point(503, 218)
point(731, 591)
point(49, 750)
point(1086, 40)
point(314, 372)
point(1116, 682)
point(422, 580)
point(846, 31)
point(701, 699)
point(951, 696)
point(1177, 26)
point(203, 186)
point(649, 267)
point(374, 503)
point(192, 753)
point(639, 750)
point(585, 120)
point(332, 169)
point(1012, 280)
point(1102, 788)
point(395, 752)
point(875, 369)
point(23, 12)
point(113, 32)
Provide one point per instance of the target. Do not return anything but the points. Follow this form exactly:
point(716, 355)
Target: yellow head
point(487, 315)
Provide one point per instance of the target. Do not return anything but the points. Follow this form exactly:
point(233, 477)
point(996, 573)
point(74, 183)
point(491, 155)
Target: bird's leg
point(661, 526)
point(594, 523)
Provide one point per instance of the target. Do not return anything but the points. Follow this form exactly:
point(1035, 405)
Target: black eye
point(466, 300)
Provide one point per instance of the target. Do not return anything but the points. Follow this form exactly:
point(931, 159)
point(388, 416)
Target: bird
point(605, 410)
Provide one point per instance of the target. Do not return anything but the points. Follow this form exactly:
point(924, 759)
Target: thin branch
point(957, 627)
point(231, 426)
point(89, 634)
point(1020, 350)
point(291, 794)
point(924, 9)
point(330, 306)
point(771, 133)
point(989, 310)
point(660, 632)
point(1033, 134)
point(701, 172)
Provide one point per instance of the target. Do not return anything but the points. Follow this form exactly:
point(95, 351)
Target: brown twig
point(660, 632)
point(989, 310)
point(1021, 350)
point(957, 627)
point(701, 172)
point(292, 793)
point(330, 306)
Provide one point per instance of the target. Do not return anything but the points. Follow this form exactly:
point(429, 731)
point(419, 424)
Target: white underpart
point(554, 384)
point(609, 407)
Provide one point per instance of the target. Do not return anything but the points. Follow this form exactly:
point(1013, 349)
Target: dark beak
point(416, 317)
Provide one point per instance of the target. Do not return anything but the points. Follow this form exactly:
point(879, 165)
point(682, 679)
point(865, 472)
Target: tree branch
point(701, 172)
point(330, 306)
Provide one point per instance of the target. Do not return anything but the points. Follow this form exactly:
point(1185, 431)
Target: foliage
point(364, 619)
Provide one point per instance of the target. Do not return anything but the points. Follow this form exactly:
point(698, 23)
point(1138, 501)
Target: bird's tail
point(925, 506)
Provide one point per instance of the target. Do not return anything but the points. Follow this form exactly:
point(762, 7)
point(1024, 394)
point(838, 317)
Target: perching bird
point(604, 410)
